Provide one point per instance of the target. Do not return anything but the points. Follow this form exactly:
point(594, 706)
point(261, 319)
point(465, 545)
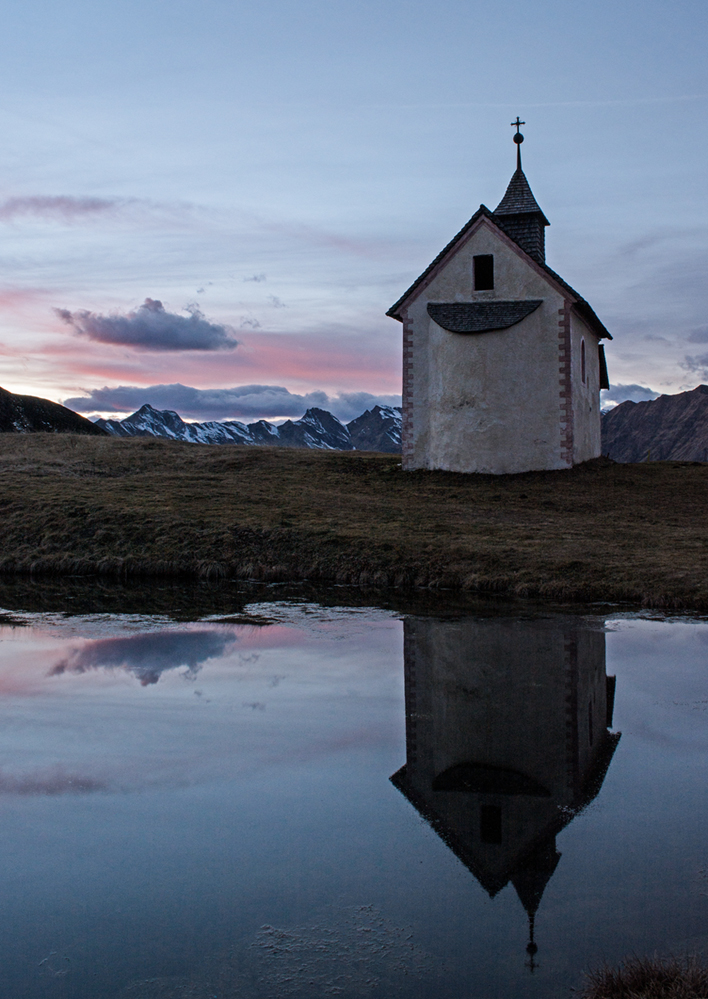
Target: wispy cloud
point(696, 365)
point(62, 208)
point(243, 402)
point(133, 212)
point(151, 327)
point(616, 102)
point(698, 335)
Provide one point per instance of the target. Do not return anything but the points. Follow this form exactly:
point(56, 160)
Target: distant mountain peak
point(378, 429)
point(669, 428)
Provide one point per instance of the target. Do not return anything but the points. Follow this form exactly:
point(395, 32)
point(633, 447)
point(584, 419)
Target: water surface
point(347, 801)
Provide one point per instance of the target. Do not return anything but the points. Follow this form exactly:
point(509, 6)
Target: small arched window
point(582, 361)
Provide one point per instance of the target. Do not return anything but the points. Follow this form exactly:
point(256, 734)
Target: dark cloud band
point(243, 402)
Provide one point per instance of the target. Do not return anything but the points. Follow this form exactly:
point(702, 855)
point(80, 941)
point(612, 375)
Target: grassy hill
point(26, 414)
point(137, 507)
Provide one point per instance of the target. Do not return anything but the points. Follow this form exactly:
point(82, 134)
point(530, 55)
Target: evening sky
point(273, 175)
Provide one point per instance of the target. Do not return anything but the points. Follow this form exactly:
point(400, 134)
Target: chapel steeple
point(530, 882)
point(518, 213)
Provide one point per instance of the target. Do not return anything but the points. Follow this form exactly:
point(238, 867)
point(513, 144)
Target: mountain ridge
point(28, 414)
point(669, 428)
point(377, 429)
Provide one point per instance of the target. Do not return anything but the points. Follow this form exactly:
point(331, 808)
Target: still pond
point(299, 801)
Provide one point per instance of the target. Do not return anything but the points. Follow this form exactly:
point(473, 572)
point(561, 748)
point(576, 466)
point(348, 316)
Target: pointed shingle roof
point(519, 199)
point(520, 216)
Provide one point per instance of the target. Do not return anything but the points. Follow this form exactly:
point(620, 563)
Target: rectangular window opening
point(490, 824)
point(483, 272)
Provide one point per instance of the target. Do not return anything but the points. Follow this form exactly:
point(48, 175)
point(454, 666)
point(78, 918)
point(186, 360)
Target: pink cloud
point(39, 356)
point(348, 362)
point(19, 299)
point(303, 362)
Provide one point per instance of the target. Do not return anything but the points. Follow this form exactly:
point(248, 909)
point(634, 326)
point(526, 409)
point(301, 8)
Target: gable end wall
point(504, 401)
point(483, 402)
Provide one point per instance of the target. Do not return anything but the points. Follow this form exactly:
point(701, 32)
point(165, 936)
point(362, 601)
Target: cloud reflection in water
point(147, 657)
point(50, 781)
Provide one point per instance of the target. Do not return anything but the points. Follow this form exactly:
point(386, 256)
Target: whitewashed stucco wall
point(488, 402)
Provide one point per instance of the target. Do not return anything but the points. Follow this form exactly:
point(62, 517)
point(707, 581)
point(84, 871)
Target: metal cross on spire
point(518, 139)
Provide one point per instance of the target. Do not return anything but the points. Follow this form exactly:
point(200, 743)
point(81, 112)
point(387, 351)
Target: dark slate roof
point(518, 199)
point(482, 210)
point(486, 778)
point(583, 309)
point(480, 317)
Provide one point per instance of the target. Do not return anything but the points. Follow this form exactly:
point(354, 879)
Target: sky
point(209, 206)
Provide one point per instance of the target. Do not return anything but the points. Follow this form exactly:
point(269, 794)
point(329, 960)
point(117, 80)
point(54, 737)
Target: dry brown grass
point(649, 978)
point(131, 507)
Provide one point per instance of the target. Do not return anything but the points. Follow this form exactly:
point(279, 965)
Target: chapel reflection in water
point(506, 740)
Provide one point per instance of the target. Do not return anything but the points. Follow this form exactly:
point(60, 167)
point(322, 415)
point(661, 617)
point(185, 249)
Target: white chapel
point(502, 360)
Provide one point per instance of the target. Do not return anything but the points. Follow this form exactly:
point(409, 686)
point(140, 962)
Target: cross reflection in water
point(507, 739)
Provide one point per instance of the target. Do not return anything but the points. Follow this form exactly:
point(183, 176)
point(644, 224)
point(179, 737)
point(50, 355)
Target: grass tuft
point(649, 978)
point(138, 507)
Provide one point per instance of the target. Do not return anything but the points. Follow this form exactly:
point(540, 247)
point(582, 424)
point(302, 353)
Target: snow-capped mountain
point(149, 422)
point(378, 429)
